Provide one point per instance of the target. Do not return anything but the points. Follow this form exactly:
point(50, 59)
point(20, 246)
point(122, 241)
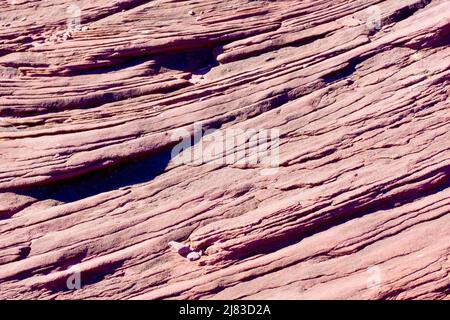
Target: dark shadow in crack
point(104, 180)
point(197, 61)
point(123, 174)
point(340, 74)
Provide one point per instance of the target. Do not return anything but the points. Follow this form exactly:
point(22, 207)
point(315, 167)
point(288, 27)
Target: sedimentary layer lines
point(358, 207)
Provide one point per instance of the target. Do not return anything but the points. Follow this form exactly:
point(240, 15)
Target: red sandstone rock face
point(358, 206)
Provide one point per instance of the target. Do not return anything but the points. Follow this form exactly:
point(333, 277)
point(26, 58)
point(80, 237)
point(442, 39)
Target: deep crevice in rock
point(131, 172)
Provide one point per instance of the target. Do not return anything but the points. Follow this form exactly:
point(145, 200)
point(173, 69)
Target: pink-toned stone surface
point(86, 124)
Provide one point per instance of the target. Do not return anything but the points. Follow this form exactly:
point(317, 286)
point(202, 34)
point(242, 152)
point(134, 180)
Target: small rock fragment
point(192, 13)
point(67, 35)
point(193, 256)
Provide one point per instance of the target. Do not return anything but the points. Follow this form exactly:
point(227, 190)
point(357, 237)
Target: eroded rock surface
point(93, 92)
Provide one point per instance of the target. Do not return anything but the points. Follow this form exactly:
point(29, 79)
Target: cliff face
point(346, 194)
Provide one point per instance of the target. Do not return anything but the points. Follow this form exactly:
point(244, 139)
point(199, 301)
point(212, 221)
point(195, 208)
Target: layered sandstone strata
point(92, 94)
